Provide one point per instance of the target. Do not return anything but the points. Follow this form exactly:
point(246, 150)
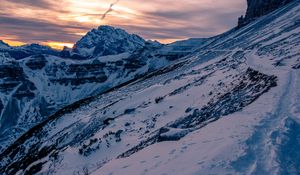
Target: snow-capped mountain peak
point(107, 40)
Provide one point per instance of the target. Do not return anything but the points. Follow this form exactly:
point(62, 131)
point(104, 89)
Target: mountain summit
point(107, 40)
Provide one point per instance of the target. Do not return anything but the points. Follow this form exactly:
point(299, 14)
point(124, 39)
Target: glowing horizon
point(54, 45)
point(62, 24)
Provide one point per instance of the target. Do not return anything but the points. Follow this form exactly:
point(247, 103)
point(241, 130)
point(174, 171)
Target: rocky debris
point(172, 134)
point(297, 65)
point(129, 111)
point(158, 99)
point(252, 84)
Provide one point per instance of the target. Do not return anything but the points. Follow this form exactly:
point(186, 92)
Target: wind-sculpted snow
point(229, 107)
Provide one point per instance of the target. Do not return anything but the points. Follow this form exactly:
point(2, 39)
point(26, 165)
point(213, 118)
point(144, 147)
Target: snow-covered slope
point(230, 107)
point(107, 40)
point(33, 88)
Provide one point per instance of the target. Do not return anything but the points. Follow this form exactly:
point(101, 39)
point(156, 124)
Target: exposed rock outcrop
point(258, 8)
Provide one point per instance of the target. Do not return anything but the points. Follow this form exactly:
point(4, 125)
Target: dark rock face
point(25, 51)
point(10, 114)
point(12, 75)
point(1, 107)
point(134, 64)
point(15, 82)
point(258, 8)
point(11, 71)
point(25, 90)
point(37, 62)
point(84, 73)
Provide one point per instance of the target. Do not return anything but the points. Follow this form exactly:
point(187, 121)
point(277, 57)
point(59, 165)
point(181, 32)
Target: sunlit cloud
point(63, 22)
point(58, 45)
point(14, 43)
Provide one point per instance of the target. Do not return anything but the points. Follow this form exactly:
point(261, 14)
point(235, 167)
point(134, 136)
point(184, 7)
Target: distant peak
point(35, 46)
point(107, 40)
point(106, 27)
point(3, 43)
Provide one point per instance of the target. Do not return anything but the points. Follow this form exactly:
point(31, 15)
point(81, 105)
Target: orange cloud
point(58, 45)
point(64, 22)
point(14, 43)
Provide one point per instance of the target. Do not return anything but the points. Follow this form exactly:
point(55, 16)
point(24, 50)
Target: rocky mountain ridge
point(34, 87)
point(21, 52)
point(258, 8)
point(106, 40)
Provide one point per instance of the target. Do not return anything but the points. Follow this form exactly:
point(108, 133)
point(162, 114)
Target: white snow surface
point(134, 129)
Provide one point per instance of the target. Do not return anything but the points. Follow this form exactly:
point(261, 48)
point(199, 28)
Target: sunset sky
point(63, 22)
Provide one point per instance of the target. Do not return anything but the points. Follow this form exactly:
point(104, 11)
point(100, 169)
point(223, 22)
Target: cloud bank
point(65, 21)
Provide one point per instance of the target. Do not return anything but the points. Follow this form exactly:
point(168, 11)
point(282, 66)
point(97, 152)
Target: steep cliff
point(258, 8)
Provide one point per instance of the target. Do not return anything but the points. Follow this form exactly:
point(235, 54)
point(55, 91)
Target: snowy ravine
point(230, 107)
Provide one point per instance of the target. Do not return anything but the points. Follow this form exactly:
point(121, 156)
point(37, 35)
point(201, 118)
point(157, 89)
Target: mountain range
point(35, 87)
point(117, 104)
